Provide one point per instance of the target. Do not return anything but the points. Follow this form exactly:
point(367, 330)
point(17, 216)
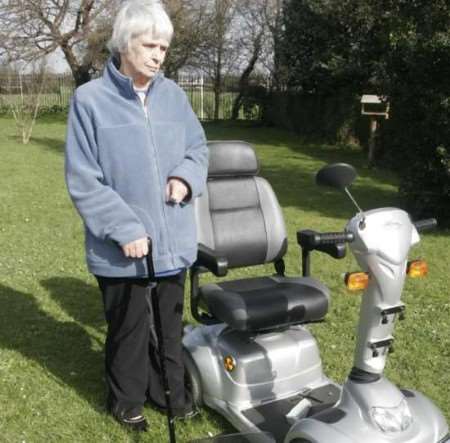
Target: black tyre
point(192, 379)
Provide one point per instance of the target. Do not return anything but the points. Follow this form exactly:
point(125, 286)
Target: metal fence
point(58, 89)
point(55, 91)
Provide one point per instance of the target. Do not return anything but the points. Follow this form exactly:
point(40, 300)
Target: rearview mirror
point(336, 175)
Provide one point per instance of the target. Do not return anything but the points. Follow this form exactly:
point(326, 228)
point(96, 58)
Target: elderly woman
point(136, 157)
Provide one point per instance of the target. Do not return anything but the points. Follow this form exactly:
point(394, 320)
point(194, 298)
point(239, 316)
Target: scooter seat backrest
point(239, 214)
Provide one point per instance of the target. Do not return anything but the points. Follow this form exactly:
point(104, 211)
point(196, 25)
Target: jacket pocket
point(182, 226)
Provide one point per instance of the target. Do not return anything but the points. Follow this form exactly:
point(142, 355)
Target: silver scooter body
point(278, 375)
point(377, 411)
point(272, 372)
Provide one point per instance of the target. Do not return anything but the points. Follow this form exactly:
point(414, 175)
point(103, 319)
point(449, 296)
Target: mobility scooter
point(252, 358)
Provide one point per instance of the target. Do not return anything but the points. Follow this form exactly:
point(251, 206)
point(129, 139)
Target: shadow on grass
point(63, 349)
point(83, 303)
point(53, 117)
point(295, 187)
point(78, 299)
point(291, 170)
point(53, 144)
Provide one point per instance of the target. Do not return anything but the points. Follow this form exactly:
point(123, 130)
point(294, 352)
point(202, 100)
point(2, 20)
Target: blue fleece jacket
point(118, 161)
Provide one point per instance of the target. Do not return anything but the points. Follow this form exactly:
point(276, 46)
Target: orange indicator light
point(417, 269)
point(356, 281)
point(230, 363)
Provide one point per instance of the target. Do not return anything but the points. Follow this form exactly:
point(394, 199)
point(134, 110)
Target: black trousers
point(131, 348)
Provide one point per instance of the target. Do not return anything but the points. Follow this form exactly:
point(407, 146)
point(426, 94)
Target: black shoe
point(138, 423)
point(185, 413)
point(130, 418)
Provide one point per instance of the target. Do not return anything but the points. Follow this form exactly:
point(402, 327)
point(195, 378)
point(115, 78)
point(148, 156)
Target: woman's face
point(144, 58)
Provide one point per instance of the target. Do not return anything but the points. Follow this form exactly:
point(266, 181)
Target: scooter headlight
point(391, 420)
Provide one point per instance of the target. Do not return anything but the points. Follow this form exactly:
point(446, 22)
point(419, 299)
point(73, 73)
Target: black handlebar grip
point(424, 225)
point(333, 238)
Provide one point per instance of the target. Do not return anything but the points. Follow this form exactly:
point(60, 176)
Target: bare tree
point(30, 29)
point(253, 43)
point(274, 20)
point(24, 96)
point(240, 35)
point(190, 20)
point(218, 55)
point(96, 52)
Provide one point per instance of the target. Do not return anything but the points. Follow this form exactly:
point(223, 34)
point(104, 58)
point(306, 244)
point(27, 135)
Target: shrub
point(400, 49)
point(416, 140)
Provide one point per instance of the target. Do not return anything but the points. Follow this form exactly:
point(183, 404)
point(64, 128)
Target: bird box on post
point(374, 106)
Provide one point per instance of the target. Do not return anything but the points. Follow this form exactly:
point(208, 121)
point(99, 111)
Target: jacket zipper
point(163, 188)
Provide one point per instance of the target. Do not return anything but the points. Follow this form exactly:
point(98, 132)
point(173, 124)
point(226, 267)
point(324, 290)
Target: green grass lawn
point(51, 321)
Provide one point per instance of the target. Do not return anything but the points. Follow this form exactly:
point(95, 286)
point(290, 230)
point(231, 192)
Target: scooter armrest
point(212, 260)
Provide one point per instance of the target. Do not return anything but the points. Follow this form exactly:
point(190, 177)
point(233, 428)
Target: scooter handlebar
point(426, 224)
point(333, 238)
point(312, 240)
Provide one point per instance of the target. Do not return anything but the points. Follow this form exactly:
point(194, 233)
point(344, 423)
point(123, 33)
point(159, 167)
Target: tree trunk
point(218, 85)
point(243, 81)
point(81, 73)
point(237, 103)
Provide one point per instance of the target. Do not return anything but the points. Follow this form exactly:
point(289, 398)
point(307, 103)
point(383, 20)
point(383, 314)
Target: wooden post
point(372, 145)
point(374, 106)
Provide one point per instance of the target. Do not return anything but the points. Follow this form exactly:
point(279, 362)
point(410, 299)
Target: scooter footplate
point(271, 417)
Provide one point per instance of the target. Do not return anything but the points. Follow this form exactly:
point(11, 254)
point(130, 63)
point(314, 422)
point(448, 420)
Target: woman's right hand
point(137, 248)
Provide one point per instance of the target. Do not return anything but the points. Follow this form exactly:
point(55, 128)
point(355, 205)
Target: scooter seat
point(263, 303)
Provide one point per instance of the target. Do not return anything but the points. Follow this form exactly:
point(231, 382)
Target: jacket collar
point(123, 84)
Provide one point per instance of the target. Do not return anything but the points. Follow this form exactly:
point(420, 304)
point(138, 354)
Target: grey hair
point(136, 17)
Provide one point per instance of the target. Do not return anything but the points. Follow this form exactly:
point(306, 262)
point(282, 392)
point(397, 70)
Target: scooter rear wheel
point(192, 380)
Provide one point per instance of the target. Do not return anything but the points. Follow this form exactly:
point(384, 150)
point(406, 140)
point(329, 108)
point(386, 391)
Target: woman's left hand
point(176, 190)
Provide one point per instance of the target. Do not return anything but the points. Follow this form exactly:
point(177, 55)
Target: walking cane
point(159, 336)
